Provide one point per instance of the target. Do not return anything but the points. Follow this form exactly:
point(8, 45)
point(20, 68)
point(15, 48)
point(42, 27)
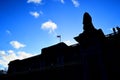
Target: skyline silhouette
point(27, 26)
point(94, 57)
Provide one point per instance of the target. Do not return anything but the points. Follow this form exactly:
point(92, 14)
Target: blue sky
point(27, 26)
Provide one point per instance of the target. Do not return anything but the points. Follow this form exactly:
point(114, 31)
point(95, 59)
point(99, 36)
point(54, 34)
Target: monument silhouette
point(95, 57)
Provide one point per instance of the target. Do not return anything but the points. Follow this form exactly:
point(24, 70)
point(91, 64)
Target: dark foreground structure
point(95, 57)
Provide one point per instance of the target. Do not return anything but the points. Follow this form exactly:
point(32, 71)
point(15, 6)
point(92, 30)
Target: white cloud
point(62, 1)
point(10, 55)
point(22, 55)
point(7, 57)
point(17, 44)
point(49, 25)
point(2, 53)
point(35, 14)
point(34, 1)
point(68, 42)
point(75, 3)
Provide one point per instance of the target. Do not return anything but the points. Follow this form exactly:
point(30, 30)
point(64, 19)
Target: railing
point(112, 34)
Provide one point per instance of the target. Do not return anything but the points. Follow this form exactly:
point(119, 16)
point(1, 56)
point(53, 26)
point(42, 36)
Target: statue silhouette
point(87, 23)
point(88, 28)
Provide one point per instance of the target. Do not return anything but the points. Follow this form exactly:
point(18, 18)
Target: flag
point(58, 36)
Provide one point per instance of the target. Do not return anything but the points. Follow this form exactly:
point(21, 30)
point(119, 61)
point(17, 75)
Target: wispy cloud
point(17, 44)
point(49, 25)
point(75, 3)
point(41, 12)
point(8, 32)
point(10, 55)
point(35, 14)
point(34, 1)
point(62, 1)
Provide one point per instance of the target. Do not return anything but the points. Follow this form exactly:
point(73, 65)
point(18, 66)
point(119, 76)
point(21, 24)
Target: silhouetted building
point(94, 57)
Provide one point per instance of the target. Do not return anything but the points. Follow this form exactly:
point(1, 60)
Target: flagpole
point(59, 36)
